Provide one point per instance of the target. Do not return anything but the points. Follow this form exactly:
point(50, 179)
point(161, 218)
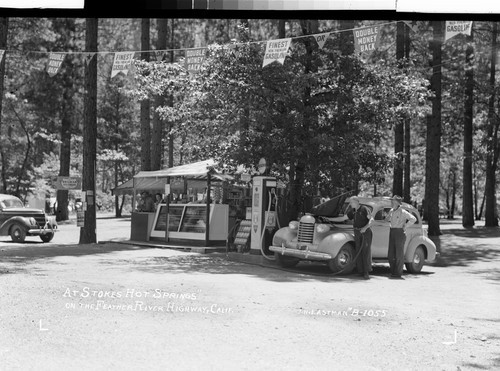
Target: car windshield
point(10, 203)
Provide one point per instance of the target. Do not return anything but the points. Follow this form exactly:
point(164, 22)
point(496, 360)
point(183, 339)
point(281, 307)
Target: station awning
point(155, 180)
point(196, 170)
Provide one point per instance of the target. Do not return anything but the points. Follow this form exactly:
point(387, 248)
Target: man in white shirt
point(400, 220)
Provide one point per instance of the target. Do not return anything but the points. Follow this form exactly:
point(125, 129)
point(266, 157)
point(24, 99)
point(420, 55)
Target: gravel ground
point(115, 306)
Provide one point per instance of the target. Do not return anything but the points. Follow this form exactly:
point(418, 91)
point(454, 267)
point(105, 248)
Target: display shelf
point(188, 221)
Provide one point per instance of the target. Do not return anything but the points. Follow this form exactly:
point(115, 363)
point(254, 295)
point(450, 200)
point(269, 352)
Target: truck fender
point(332, 243)
point(284, 235)
point(426, 242)
point(5, 227)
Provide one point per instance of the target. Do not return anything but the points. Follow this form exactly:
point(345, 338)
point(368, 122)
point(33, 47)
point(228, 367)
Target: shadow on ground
point(31, 252)
point(462, 247)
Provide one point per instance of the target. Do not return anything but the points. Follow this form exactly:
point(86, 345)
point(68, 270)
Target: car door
point(380, 229)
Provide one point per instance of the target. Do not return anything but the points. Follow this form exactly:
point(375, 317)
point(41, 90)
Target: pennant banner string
point(185, 49)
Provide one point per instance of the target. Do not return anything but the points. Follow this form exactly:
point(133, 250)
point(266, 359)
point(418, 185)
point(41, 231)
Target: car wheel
point(286, 261)
point(343, 260)
point(415, 266)
point(47, 237)
point(17, 233)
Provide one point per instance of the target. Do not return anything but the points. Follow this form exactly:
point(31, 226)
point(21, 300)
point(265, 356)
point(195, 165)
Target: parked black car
point(18, 221)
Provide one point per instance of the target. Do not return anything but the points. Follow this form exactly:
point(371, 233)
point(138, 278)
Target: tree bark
point(88, 231)
point(468, 202)
point(491, 213)
point(433, 139)
point(145, 104)
point(156, 138)
point(4, 27)
point(407, 133)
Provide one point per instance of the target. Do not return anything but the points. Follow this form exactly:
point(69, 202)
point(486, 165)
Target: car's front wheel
point(417, 262)
point(17, 233)
point(286, 261)
point(47, 237)
point(343, 262)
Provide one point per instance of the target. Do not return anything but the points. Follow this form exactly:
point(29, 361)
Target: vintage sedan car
point(316, 238)
point(19, 221)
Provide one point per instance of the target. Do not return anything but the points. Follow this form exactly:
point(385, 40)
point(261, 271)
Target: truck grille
point(306, 232)
point(40, 220)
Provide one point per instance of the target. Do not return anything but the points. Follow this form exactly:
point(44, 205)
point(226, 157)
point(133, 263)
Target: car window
point(11, 203)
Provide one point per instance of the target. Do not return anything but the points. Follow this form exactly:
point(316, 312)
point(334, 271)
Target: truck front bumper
point(302, 254)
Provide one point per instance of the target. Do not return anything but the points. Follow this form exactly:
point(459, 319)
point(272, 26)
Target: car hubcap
point(416, 259)
point(16, 233)
point(343, 259)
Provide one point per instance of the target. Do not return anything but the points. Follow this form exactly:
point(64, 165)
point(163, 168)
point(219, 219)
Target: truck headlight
point(293, 224)
point(32, 221)
point(322, 228)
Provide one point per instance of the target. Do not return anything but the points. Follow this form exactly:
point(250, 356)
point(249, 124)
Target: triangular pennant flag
point(321, 39)
point(55, 62)
point(122, 63)
point(2, 52)
point(413, 25)
point(276, 51)
point(454, 28)
point(194, 59)
point(366, 39)
point(88, 58)
point(159, 54)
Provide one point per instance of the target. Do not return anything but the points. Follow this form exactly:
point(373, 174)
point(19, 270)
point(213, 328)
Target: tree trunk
point(407, 163)
point(297, 183)
point(490, 213)
point(88, 231)
point(281, 28)
point(346, 47)
point(468, 202)
point(453, 195)
point(171, 103)
point(65, 153)
point(4, 27)
point(397, 180)
point(156, 138)
point(407, 144)
point(433, 140)
point(145, 105)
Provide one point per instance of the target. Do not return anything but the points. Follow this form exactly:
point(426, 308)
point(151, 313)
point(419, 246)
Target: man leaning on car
point(400, 219)
point(362, 235)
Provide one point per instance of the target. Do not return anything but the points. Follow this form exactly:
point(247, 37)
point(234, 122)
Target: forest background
point(417, 117)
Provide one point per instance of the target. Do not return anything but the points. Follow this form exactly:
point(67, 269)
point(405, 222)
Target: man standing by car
point(400, 219)
point(362, 221)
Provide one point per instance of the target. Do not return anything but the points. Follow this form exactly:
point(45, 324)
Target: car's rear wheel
point(47, 237)
point(343, 262)
point(417, 262)
point(17, 233)
point(286, 261)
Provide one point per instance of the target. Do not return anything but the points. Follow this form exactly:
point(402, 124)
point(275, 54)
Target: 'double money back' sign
point(366, 39)
point(194, 59)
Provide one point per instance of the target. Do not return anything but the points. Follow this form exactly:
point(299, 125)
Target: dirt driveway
point(115, 306)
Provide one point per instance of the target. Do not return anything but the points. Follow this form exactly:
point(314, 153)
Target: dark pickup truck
point(18, 221)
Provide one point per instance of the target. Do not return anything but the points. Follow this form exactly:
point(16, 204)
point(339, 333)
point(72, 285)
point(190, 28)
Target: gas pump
point(264, 215)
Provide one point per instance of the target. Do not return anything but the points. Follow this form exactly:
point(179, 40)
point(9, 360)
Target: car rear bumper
point(302, 254)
